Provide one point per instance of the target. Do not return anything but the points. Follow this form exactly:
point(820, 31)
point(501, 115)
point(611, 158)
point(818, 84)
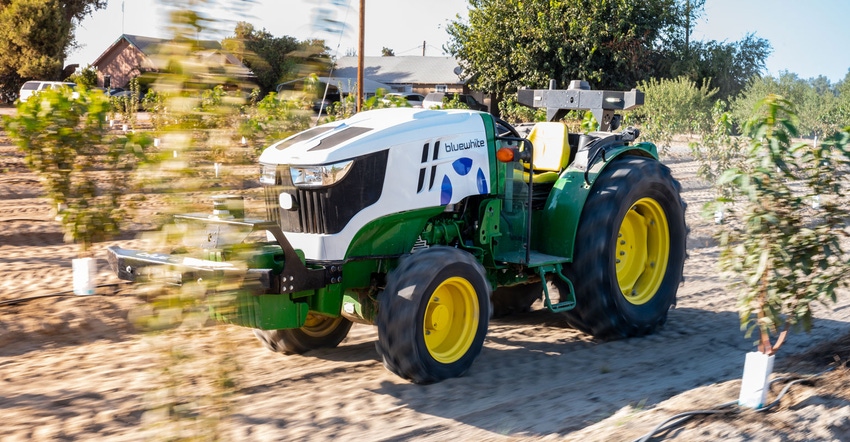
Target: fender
point(559, 220)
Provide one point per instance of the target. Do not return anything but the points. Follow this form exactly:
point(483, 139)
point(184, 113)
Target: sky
point(809, 38)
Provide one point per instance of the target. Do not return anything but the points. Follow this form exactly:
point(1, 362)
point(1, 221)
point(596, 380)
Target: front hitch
point(289, 276)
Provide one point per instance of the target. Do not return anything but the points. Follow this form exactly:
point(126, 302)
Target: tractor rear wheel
point(433, 315)
point(318, 332)
point(629, 250)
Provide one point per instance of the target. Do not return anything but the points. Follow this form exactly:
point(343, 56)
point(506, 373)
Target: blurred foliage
point(35, 37)
point(85, 170)
point(272, 119)
point(673, 107)
point(275, 60)
point(787, 218)
point(195, 108)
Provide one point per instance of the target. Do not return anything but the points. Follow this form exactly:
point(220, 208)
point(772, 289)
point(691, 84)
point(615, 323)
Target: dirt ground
point(75, 368)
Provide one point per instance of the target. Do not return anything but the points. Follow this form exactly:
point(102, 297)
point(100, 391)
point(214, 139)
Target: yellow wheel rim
point(319, 326)
point(451, 320)
point(643, 248)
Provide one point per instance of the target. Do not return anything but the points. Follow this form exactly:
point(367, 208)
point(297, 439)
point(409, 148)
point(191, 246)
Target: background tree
point(35, 37)
point(387, 52)
point(611, 44)
point(728, 67)
point(819, 104)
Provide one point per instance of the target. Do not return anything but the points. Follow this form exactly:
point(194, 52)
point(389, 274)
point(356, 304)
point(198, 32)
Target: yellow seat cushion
point(551, 146)
point(541, 177)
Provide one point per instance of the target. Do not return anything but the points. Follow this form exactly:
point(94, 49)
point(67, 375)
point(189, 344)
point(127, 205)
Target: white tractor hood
point(369, 132)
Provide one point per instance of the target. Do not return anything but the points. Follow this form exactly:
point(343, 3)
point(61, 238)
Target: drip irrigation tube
point(681, 418)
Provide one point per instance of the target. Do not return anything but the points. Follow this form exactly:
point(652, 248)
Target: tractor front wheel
point(318, 332)
point(433, 315)
point(629, 250)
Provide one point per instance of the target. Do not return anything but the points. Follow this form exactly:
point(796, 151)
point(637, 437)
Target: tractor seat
point(551, 151)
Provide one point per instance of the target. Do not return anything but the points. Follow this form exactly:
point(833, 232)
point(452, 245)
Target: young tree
point(64, 138)
point(85, 77)
point(785, 249)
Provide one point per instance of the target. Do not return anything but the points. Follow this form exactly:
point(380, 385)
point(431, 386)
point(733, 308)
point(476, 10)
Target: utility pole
point(423, 48)
point(360, 55)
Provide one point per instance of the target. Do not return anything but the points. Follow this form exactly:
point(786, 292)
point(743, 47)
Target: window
point(441, 88)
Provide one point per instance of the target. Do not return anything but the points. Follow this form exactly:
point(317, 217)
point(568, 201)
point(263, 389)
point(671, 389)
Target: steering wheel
point(503, 128)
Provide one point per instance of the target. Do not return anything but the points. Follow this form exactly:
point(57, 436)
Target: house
point(336, 85)
point(415, 74)
point(132, 55)
point(408, 73)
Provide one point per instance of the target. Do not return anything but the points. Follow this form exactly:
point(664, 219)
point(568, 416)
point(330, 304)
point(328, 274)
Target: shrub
point(717, 149)
point(513, 112)
point(673, 107)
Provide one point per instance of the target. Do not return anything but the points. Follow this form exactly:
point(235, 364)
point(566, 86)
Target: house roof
point(147, 45)
point(212, 54)
point(344, 84)
point(403, 69)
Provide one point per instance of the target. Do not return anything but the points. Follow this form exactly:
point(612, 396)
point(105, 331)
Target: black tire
point(318, 332)
point(447, 348)
point(605, 261)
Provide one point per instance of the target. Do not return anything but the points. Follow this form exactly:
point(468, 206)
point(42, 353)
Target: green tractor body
point(426, 222)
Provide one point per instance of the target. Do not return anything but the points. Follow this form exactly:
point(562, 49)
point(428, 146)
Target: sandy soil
point(75, 368)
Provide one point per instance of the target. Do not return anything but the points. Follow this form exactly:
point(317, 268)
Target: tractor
point(422, 222)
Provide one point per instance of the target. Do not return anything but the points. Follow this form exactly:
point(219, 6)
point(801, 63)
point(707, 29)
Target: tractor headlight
point(268, 174)
point(320, 176)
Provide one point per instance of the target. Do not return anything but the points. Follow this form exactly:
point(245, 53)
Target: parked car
point(436, 100)
point(322, 105)
point(414, 100)
point(31, 88)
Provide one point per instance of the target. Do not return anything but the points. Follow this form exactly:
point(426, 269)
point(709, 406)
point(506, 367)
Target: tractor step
point(566, 301)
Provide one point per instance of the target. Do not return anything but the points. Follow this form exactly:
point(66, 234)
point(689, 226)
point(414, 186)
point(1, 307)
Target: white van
point(31, 87)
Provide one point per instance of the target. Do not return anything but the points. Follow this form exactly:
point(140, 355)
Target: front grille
point(309, 217)
point(327, 210)
point(312, 211)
